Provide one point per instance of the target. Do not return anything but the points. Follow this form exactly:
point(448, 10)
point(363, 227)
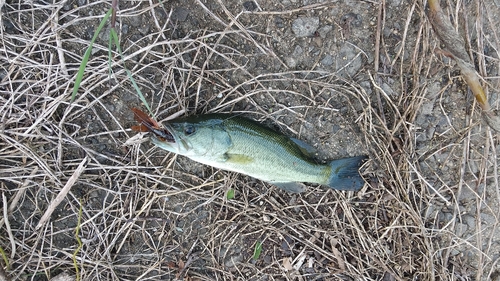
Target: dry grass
point(148, 215)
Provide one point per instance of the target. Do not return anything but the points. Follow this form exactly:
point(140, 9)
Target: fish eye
point(189, 129)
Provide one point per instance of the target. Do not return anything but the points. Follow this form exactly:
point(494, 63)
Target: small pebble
point(279, 22)
point(135, 20)
point(291, 62)
point(470, 221)
point(144, 30)
point(179, 14)
point(124, 29)
point(327, 60)
point(323, 31)
point(67, 6)
point(352, 19)
point(305, 26)
point(297, 51)
point(250, 6)
point(348, 60)
point(460, 229)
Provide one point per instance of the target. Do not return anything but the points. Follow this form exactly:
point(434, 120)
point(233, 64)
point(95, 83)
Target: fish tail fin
point(345, 174)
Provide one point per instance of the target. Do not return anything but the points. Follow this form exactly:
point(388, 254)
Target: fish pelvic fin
point(345, 174)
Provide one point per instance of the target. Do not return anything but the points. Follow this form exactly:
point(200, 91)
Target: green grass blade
point(114, 36)
point(4, 256)
point(85, 59)
point(110, 55)
point(257, 250)
point(230, 194)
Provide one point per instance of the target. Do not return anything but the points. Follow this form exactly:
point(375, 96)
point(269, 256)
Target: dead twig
point(7, 226)
point(455, 49)
point(62, 194)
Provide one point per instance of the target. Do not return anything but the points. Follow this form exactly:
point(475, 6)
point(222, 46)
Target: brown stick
point(62, 194)
point(454, 45)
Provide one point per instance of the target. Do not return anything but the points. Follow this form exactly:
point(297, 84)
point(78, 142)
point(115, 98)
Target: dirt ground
point(348, 77)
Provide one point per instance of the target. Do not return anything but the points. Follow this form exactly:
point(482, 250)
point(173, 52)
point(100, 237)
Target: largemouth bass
point(240, 145)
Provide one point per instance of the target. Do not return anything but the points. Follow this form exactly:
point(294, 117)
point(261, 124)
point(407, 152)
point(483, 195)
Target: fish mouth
point(165, 134)
point(166, 138)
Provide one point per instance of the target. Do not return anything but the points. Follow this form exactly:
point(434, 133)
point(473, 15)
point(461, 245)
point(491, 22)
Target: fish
point(235, 143)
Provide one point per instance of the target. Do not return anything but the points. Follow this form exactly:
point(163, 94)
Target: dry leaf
point(287, 263)
point(181, 264)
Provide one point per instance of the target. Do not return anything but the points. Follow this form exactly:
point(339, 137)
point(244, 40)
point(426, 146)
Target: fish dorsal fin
point(293, 187)
point(306, 149)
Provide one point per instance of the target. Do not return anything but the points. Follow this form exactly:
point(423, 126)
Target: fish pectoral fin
point(238, 158)
point(293, 187)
